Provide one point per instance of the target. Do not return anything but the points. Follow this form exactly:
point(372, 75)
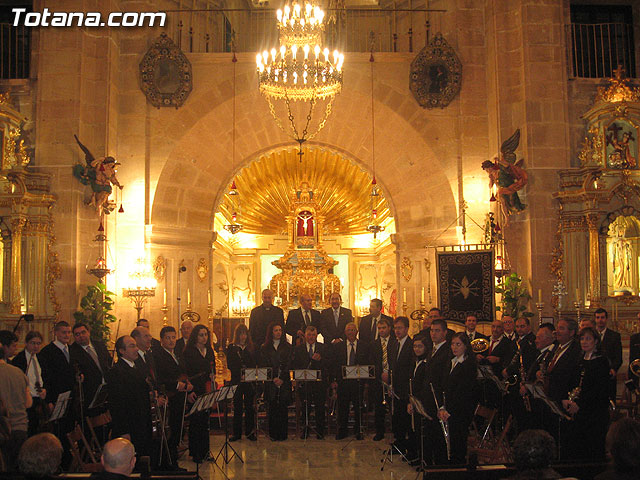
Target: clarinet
point(444, 425)
point(525, 397)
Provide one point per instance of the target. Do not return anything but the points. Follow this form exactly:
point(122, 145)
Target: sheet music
point(61, 406)
point(358, 372)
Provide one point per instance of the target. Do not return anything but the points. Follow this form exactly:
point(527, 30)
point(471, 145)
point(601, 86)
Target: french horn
point(479, 345)
point(635, 367)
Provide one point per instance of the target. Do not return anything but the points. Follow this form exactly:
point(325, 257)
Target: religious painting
point(466, 284)
point(436, 74)
point(621, 143)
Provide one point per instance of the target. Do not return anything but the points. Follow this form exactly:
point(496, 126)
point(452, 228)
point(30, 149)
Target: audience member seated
point(118, 460)
point(533, 451)
point(623, 444)
point(40, 457)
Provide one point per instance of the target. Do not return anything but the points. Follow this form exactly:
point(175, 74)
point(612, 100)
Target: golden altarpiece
point(598, 256)
point(28, 267)
point(306, 267)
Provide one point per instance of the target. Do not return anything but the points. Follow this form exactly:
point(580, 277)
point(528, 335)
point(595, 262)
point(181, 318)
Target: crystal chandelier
point(300, 70)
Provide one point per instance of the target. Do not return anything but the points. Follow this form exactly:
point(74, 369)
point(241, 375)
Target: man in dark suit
point(94, 362)
point(381, 361)
point(312, 355)
point(262, 316)
point(401, 363)
point(145, 361)
point(634, 353)
point(186, 328)
point(350, 352)
point(369, 323)
point(143, 322)
point(500, 350)
point(562, 375)
point(129, 401)
point(27, 361)
point(59, 376)
point(436, 370)
point(471, 322)
point(8, 343)
point(509, 326)
point(299, 318)
point(611, 346)
point(172, 379)
point(425, 333)
point(334, 320)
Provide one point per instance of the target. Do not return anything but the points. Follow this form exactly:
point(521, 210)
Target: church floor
point(297, 458)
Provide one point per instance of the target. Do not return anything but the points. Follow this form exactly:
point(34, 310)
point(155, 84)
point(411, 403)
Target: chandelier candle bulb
point(539, 295)
point(164, 297)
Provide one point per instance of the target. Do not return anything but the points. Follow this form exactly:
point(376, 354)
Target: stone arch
point(414, 171)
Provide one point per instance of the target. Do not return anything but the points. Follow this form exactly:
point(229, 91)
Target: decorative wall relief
point(165, 74)
point(436, 74)
point(202, 269)
point(406, 268)
point(220, 293)
point(159, 268)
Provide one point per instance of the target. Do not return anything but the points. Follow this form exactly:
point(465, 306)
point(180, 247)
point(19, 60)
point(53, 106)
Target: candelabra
point(138, 296)
point(239, 309)
point(539, 307)
point(165, 318)
point(577, 305)
point(559, 291)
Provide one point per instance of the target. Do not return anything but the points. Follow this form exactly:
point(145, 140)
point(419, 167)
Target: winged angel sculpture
point(508, 176)
point(100, 175)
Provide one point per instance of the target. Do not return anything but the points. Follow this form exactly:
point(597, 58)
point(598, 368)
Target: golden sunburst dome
point(342, 190)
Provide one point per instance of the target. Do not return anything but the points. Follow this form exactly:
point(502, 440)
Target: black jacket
point(339, 357)
point(634, 353)
point(611, 347)
point(295, 322)
point(260, 319)
point(401, 366)
point(425, 335)
point(366, 329)
point(376, 354)
point(168, 372)
point(435, 371)
point(58, 375)
point(199, 368)
point(237, 359)
point(279, 360)
point(93, 376)
point(564, 375)
point(329, 329)
point(148, 367)
point(504, 350)
point(130, 405)
point(301, 359)
point(459, 387)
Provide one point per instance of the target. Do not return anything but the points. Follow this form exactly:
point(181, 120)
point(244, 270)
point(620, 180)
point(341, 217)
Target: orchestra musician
point(143, 322)
point(299, 318)
point(425, 333)
point(438, 359)
point(200, 361)
point(369, 323)
point(27, 361)
point(94, 361)
point(8, 343)
point(185, 330)
point(350, 352)
point(380, 358)
point(588, 403)
point(611, 348)
point(262, 315)
point(634, 354)
point(145, 361)
point(497, 356)
point(129, 398)
point(334, 319)
point(419, 389)
point(241, 354)
point(509, 328)
point(470, 323)
point(276, 353)
point(312, 355)
point(172, 378)
point(401, 363)
point(459, 400)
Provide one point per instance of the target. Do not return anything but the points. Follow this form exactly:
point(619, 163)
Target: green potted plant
point(515, 297)
point(95, 311)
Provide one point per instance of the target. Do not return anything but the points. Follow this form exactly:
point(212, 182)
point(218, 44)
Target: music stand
point(388, 453)
point(60, 408)
point(306, 375)
point(100, 398)
point(224, 395)
point(255, 375)
point(418, 408)
point(358, 373)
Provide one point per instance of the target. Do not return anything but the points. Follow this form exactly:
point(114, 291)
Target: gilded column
point(594, 258)
point(17, 224)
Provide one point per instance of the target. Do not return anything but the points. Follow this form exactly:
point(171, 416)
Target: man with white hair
point(186, 328)
point(118, 460)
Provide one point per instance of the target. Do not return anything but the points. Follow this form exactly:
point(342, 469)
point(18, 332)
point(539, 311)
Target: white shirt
point(497, 341)
point(142, 354)
point(455, 361)
point(173, 355)
point(34, 372)
point(401, 343)
point(130, 363)
point(276, 344)
point(472, 334)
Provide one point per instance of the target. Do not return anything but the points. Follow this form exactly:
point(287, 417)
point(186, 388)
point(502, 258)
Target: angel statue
point(99, 174)
point(508, 175)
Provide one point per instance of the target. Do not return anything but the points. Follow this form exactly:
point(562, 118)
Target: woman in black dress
point(419, 390)
point(276, 353)
point(240, 354)
point(200, 362)
point(588, 403)
point(459, 399)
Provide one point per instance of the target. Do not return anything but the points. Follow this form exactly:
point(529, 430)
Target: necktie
point(374, 328)
point(66, 353)
point(555, 357)
point(310, 351)
point(471, 337)
point(306, 318)
point(491, 347)
point(36, 374)
point(385, 357)
point(92, 353)
point(352, 355)
point(336, 316)
point(433, 352)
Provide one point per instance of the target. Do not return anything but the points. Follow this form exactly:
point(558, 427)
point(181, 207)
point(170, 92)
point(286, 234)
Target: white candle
point(322, 283)
point(577, 294)
point(209, 296)
point(422, 295)
point(278, 295)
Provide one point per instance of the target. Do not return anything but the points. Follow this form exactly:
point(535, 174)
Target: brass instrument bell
point(479, 345)
point(635, 367)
